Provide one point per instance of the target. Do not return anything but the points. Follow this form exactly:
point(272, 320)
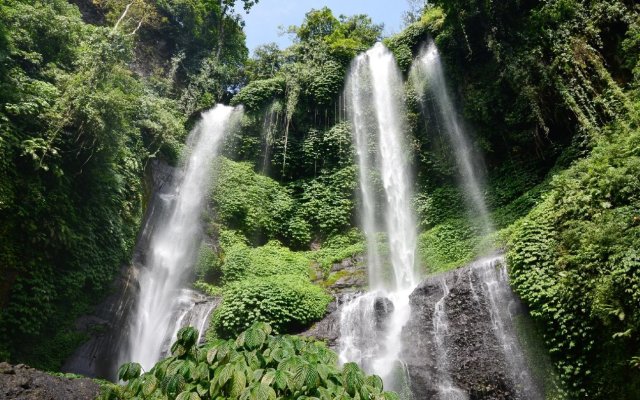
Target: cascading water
point(192, 309)
point(428, 77)
point(503, 304)
point(269, 128)
point(428, 67)
point(174, 243)
point(445, 386)
point(371, 324)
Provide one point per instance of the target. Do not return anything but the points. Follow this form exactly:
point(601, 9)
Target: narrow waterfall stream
point(492, 291)
point(371, 324)
point(428, 76)
point(503, 306)
point(445, 387)
point(163, 305)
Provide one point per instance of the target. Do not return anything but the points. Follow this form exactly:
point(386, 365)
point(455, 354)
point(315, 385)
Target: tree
point(266, 62)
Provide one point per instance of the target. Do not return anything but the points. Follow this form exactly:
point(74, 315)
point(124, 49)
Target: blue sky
point(264, 18)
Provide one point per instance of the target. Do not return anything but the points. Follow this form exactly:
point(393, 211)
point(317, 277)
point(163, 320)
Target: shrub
point(574, 261)
point(447, 245)
point(208, 266)
point(337, 248)
point(327, 201)
point(258, 94)
point(256, 365)
point(254, 204)
point(242, 261)
point(287, 302)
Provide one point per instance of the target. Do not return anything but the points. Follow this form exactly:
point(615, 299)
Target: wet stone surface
point(475, 355)
point(25, 383)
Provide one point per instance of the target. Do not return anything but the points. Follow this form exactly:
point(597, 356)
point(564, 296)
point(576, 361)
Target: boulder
point(25, 383)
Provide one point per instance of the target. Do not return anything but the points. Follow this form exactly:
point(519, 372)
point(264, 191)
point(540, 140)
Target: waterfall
point(173, 245)
point(503, 305)
point(371, 324)
point(268, 133)
point(427, 75)
point(444, 382)
point(192, 309)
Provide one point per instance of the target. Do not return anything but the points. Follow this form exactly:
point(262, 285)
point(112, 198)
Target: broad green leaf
point(150, 384)
point(238, 383)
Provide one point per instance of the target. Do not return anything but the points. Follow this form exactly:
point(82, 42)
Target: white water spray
point(429, 68)
point(371, 324)
point(428, 77)
point(174, 243)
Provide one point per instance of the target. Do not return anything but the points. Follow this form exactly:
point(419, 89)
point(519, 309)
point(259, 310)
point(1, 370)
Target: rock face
point(474, 349)
point(351, 279)
point(351, 275)
point(106, 326)
point(460, 342)
point(25, 383)
point(328, 329)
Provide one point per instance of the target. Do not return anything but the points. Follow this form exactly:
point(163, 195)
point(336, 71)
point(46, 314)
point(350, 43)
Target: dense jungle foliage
point(561, 77)
point(550, 92)
point(79, 121)
point(548, 88)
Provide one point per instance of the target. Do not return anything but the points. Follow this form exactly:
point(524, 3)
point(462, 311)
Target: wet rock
point(476, 360)
point(344, 264)
point(327, 329)
point(347, 276)
point(25, 383)
point(382, 308)
point(98, 356)
point(350, 282)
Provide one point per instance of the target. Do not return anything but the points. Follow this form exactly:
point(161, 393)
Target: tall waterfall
point(371, 324)
point(428, 77)
point(173, 245)
point(429, 68)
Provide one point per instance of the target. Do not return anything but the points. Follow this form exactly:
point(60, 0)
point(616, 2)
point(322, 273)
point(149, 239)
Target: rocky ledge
point(463, 336)
point(26, 383)
point(462, 332)
point(346, 279)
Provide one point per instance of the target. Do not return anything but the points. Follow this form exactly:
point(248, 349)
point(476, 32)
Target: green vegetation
point(268, 283)
point(287, 302)
point(574, 260)
point(83, 108)
point(76, 134)
point(337, 248)
point(253, 204)
point(242, 261)
point(256, 365)
point(293, 113)
point(448, 245)
point(549, 90)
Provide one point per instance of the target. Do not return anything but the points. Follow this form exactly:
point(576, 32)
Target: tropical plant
point(289, 303)
point(256, 365)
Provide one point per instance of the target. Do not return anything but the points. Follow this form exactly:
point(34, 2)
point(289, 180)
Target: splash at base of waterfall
point(371, 324)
